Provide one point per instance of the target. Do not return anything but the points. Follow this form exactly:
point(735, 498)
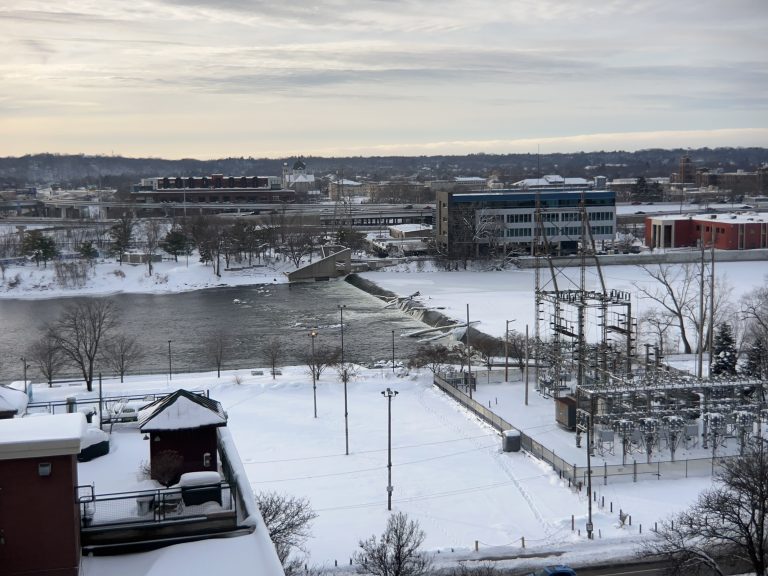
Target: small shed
point(39, 515)
point(182, 432)
point(565, 412)
point(12, 402)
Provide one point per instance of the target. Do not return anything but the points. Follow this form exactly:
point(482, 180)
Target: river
point(252, 315)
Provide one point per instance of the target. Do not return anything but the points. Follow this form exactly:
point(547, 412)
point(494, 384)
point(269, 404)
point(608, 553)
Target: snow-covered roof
point(54, 435)
point(181, 410)
point(551, 180)
point(12, 400)
point(294, 178)
point(411, 227)
point(470, 179)
point(729, 218)
point(345, 182)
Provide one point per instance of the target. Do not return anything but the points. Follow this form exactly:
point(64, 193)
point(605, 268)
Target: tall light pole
point(170, 370)
point(469, 356)
point(24, 364)
point(312, 335)
point(393, 351)
point(506, 351)
point(344, 377)
point(389, 394)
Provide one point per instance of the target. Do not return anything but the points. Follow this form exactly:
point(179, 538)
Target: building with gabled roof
point(182, 431)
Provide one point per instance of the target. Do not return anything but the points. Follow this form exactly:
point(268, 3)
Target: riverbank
point(107, 276)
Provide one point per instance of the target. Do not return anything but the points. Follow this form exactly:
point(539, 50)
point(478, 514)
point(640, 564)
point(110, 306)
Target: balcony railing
point(156, 507)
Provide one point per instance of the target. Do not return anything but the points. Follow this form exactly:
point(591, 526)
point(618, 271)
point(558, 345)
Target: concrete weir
point(417, 310)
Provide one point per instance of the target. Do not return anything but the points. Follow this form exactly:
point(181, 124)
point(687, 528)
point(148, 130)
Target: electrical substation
point(622, 396)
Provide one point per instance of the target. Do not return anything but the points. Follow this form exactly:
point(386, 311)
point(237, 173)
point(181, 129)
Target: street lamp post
point(170, 370)
point(393, 351)
point(389, 394)
point(312, 335)
point(506, 352)
point(469, 356)
point(25, 366)
point(344, 377)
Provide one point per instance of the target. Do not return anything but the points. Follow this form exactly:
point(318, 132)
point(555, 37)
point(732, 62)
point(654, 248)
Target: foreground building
point(471, 223)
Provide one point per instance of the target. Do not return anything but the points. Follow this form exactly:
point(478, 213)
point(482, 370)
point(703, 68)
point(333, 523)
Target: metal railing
point(78, 404)
point(154, 506)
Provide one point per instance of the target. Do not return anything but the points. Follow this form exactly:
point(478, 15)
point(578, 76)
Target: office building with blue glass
point(472, 224)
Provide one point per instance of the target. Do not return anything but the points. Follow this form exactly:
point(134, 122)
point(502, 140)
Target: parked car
point(559, 570)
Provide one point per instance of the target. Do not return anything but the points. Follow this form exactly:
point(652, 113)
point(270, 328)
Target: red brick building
point(728, 231)
point(39, 517)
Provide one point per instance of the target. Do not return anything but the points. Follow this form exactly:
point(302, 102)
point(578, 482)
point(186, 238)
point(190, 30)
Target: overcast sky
point(214, 78)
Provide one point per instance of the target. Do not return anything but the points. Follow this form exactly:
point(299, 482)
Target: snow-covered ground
point(500, 295)
point(449, 472)
point(110, 277)
point(448, 469)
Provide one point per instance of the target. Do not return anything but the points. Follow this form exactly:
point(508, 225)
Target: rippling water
point(251, 315)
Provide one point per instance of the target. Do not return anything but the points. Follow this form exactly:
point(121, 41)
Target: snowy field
point(497, 296)
point(449, 472)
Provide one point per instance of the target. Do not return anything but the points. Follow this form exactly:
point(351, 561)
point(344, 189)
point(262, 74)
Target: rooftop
point(56, 435)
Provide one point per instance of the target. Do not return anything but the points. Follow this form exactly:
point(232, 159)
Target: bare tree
point(154, 235)
point(754, 309)
point(122, 352)
point(489, 349)
point(273, 350)
point(216, 348)
point(298, 241)
point(433, 356)
point(396, 552)
point(48, 357)
point(324, 356)
point(730, 519)
point(80, 330)
point(675, 291)
point(288, 521)
point(516, 348)
point(655, 324)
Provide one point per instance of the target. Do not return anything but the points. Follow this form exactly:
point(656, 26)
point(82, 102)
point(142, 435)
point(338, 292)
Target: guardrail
point(154, 506)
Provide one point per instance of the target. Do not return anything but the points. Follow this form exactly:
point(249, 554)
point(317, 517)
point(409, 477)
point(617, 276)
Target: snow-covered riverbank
point(110, 277)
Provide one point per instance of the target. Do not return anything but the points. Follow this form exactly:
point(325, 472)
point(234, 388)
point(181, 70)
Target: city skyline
point(208, 79)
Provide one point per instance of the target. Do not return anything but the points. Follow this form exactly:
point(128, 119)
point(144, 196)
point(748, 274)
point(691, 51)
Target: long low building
point(743, 231)
point(214, 188)
point(469, 223)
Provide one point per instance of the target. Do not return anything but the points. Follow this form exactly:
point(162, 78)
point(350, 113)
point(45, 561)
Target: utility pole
point(344, 378)
point(506, 351)
point(393, 351)
point(170, 371)
point(389, 394)
point(312, 335)
point(469, 356)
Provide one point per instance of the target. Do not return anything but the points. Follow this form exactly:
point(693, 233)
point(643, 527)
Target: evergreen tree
point(175, 243)
point(121, 234)
point(40, 247)
point(88, 251)
point(757, 358)
point(724, 352)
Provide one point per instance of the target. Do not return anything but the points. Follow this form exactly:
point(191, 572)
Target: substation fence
point(577, 475)
point(114, 408)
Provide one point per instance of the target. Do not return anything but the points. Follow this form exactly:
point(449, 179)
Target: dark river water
point(252, 315)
